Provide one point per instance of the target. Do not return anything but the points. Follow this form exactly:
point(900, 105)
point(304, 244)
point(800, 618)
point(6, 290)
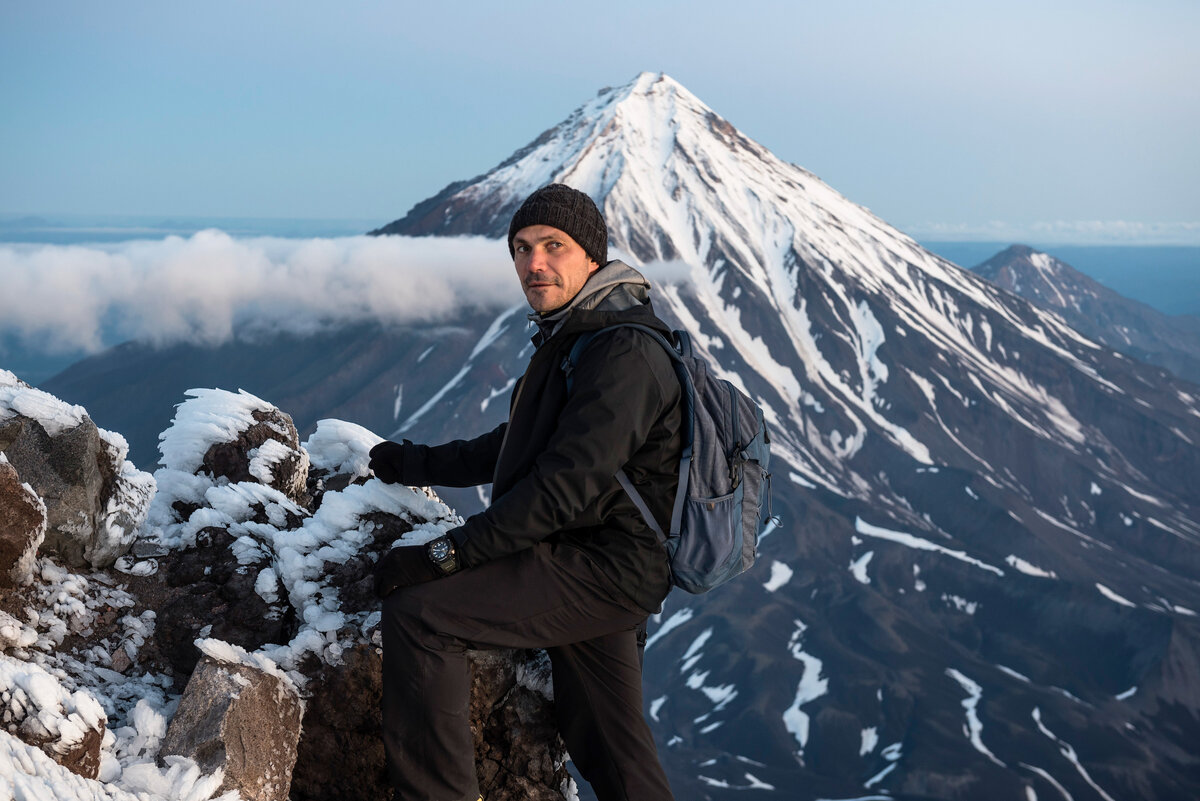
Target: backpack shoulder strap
point(572, 357)
point(640, 502)
point(685, 346)
point(587, 337)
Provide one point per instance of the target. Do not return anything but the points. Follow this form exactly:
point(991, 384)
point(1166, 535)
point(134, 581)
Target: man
point(561, 559)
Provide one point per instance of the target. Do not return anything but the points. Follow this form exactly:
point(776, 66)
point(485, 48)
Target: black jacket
point(552, 465)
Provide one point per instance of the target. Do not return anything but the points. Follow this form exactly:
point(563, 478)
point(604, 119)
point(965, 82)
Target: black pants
point(545, 597)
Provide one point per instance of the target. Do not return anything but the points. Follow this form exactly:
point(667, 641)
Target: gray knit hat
point(568, 210)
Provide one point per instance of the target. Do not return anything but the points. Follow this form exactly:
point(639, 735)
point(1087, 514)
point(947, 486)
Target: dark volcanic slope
point(362, 374)
point(1121, 323)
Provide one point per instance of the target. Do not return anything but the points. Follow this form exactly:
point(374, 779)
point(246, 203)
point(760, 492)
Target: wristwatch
point(444, 555)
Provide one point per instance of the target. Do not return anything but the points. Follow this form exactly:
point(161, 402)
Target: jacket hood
point(615, 287)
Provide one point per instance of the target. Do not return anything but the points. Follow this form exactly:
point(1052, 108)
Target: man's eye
point(554, 245)
point(522, 248)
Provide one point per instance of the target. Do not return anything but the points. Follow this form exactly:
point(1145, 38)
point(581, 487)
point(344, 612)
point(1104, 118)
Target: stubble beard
point(547, 287)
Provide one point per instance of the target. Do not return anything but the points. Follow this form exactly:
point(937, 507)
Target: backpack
point(723, 478)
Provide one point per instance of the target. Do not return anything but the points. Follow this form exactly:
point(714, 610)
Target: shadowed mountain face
point(985, 584)
point(1093, 309)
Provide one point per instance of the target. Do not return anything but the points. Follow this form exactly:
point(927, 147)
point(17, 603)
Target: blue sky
point(958, 117)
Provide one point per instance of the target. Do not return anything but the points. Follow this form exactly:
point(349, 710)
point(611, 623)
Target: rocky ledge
point(209, 631)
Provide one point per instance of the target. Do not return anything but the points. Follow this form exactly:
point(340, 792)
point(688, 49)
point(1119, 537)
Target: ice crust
point(210, 417)
point(54, 415)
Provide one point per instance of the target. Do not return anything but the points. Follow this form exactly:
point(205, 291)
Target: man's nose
point(537, 259)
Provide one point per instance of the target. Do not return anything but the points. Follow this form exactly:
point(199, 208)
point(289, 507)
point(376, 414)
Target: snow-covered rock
point(341, 448)
point(286, 578)
point(238, 437)
point(95, 499)
point(68, 726)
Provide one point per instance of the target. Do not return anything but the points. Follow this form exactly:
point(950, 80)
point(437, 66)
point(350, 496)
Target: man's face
point(552, 266)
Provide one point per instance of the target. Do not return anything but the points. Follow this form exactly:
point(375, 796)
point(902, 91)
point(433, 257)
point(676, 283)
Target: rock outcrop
point(259, 549)
point(95, 499)
point(248, 557)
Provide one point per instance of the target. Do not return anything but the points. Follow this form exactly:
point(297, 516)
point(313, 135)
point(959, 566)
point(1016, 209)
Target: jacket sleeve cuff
point(462, 544)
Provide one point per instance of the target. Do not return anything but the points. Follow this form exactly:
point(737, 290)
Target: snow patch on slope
point(917, 543)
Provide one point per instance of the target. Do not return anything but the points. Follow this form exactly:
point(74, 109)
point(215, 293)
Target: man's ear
point(593, 265)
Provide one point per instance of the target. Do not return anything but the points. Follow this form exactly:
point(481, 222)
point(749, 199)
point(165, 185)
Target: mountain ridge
point(1124, 324)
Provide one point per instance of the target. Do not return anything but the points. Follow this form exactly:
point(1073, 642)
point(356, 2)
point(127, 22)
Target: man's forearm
point(461, 463)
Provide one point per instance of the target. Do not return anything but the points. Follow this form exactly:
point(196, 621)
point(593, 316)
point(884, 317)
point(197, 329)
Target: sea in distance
point(83, 229)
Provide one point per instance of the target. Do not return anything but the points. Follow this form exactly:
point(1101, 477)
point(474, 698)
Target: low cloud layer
point(207, 286)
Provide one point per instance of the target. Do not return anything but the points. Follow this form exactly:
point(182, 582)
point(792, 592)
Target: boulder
point(341, 747)
point(22, 527)
point(34, 707)
point(267, 451)
point(241, 715)
point(203, 592)
point(95, 500)
point(518, 754)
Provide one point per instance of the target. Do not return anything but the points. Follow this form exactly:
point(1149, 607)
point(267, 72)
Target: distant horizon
point(1061, 233)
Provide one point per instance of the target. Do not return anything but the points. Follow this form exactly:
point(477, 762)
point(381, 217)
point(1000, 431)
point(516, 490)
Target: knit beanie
point(568, 210)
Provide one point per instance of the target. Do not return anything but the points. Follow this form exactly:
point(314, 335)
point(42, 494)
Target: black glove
point(404, 567)
point(387, 461)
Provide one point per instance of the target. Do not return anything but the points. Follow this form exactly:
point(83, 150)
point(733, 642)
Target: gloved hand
point(404, 567)
point(387, 461)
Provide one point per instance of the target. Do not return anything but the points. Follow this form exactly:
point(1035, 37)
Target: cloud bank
point(205, 287)
point(210, 286)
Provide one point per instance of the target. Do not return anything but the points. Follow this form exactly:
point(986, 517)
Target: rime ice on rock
point(18, 399)
point(293, 555)
point(238, 437)
point(36, 708)
point(285, 579)
point(341, 448)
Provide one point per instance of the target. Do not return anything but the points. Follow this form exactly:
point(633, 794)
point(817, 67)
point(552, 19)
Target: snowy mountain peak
point(656, 86)
point(606, 145)
point(851, 334)
point(1040, 277)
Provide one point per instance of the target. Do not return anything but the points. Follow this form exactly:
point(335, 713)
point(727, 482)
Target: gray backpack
point(723, 478)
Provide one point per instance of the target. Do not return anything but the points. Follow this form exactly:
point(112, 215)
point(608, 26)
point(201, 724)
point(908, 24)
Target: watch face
point(439, 549)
